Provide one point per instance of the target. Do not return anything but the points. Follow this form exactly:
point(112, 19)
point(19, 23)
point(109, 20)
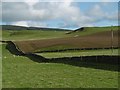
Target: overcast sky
point(64, 14)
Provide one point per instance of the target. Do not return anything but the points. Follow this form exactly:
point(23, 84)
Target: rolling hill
point(23, 33)
point(14, 27)
point(97, 40)
point(34, 39)
point(70, 69)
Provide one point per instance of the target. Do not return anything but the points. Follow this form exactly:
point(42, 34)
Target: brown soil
point(98, 40)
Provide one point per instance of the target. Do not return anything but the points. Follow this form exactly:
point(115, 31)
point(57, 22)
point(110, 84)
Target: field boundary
point(11, 46)
point(75, 49)
point(106, 59)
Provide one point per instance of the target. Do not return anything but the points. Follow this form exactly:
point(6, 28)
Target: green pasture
point(46, 34)
point(77, 53)
point(31, 34)
point(80, 52)
point(56, 47)
point(22, 72)
point(93, 30)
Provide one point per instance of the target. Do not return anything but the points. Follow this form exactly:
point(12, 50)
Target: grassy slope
point(93, 30)
point(98, 40)
point(31, 34)
point(46, 34)
point(21, 72)
point(79, 53)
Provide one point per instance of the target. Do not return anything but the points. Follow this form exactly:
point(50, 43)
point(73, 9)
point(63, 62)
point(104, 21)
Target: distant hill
point(79, 29)
point(11, 32)
point(13, 27)
point(97, 40)
point(93, 29)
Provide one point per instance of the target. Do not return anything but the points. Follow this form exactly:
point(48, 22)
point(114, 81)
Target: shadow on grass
point(12, 48)
point(97, 62)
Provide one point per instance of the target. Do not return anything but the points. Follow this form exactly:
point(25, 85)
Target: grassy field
point(79, 53)
point(93, 30)
point(46, 34)
point(21, 72)
point(31, 34)
point(98, 40)
point(24, 72)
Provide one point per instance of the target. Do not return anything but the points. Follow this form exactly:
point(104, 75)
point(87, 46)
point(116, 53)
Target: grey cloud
point(41, 5)
point(14, 5)
point(15, 11)
point(20, 11)
point(36, 14)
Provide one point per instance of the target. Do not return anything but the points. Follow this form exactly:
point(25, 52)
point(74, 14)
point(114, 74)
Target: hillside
point(98, 40)
point(22, 72)
point(13, 27)
point(69, 69)
point(47, 40)
point(21, 33)
point(91, 30)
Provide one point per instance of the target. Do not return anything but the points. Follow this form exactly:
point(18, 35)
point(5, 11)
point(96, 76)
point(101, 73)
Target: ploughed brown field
point(98, 40)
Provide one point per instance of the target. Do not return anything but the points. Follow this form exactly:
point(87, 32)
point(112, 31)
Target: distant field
point(46, 34)
point(98, 40)
point(21, 72)
point(93, 30)
point(31, 34)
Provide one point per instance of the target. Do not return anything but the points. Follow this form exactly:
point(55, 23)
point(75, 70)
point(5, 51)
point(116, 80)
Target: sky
point(67, 14)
